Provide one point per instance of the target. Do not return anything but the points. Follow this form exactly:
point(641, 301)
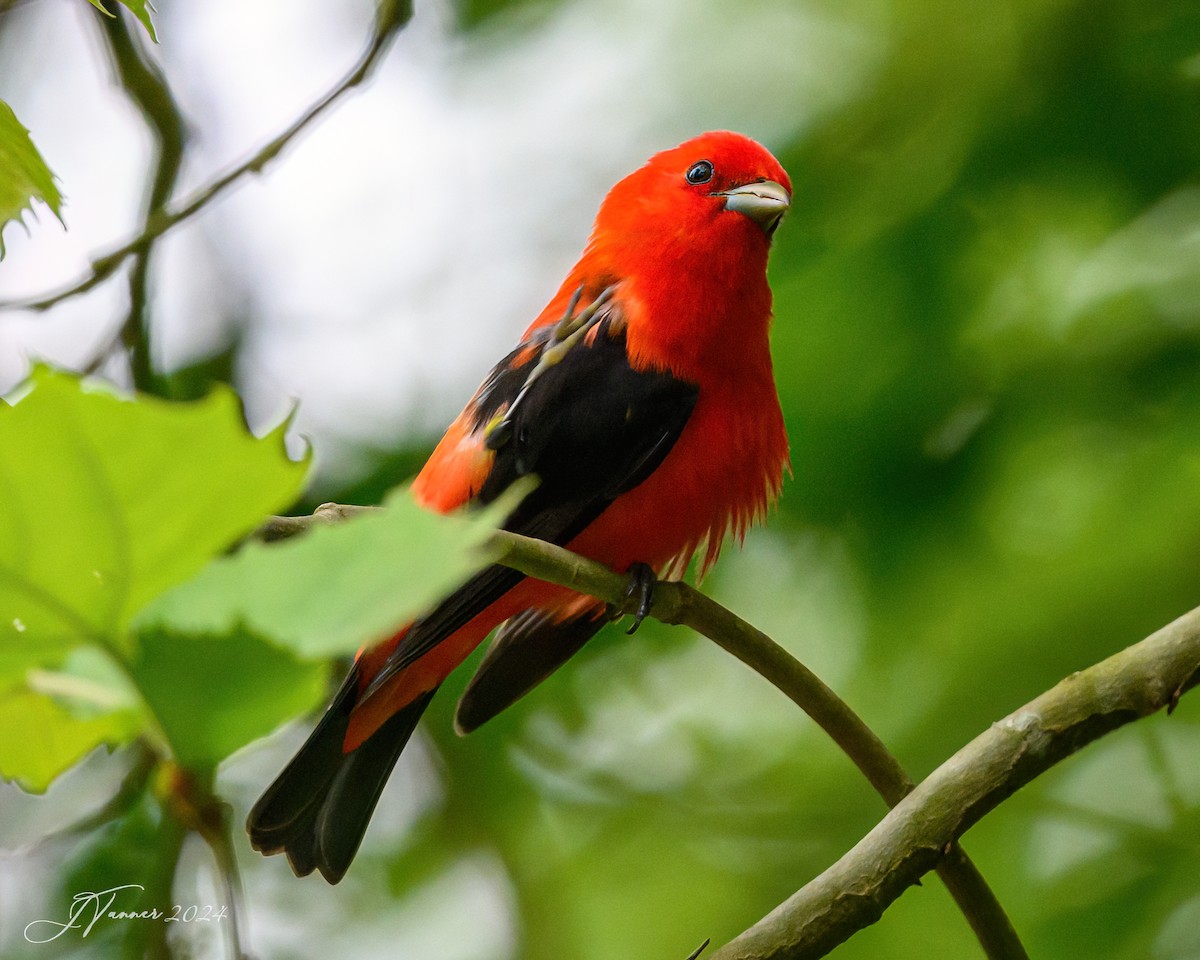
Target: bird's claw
point(641, 586)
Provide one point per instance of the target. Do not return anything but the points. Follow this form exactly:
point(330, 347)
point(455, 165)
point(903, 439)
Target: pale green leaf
point(24, 176)
point(39, 738)
point(337, 587)
point(108, 501)
point(139, 8)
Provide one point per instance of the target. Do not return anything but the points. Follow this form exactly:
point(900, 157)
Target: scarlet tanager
point(642, 398)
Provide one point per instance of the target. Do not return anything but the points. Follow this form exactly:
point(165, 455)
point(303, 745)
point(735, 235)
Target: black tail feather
point(318, 808)
point(525, 651)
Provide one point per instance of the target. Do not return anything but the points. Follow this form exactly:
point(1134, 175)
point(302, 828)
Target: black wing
point(588, 426)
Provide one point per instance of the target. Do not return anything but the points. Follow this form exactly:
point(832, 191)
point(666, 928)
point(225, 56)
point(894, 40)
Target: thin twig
point(145, 85)
point(393, 15)
point(220, 844)
point(190, 802)
point(281, 528)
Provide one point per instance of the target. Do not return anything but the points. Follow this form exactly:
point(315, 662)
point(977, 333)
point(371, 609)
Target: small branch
point(677, 603)
point(909, 841)
point(281, 528)
point(145, 85)
point(392, 17)
point(220, 844)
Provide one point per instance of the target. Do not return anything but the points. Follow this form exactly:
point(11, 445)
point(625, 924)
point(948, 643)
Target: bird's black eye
point(699, 172)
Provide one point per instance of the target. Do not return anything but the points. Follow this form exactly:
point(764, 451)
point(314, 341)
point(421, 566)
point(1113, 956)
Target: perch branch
point(677, 603)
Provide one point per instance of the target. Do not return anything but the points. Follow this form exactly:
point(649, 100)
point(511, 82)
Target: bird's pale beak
point(764, 202)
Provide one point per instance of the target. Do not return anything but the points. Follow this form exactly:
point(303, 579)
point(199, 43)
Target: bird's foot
point(641, 586)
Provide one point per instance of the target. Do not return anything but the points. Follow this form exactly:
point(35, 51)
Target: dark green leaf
point(214, 694)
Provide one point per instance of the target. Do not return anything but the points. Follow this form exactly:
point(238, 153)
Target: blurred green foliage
point(474, 13)
point(987, 347)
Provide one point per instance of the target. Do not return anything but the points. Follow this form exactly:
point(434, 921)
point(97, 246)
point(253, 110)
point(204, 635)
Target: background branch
point(392, 16)
point(146, 86)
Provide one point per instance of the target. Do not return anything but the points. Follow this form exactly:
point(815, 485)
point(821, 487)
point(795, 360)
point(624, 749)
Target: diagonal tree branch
point(909, 841)
point(677, 603)
point(391, 18)
point(921, 832)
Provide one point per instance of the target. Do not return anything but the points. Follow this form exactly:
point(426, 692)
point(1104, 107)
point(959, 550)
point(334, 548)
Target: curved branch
point(910, 840)
point(392, 17)
point(677, 603)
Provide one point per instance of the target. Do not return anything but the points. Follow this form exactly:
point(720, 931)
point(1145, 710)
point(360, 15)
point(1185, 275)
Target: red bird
point(642, 398)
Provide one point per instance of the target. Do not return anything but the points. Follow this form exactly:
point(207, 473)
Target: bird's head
point(717, 190)
point(685, 240)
